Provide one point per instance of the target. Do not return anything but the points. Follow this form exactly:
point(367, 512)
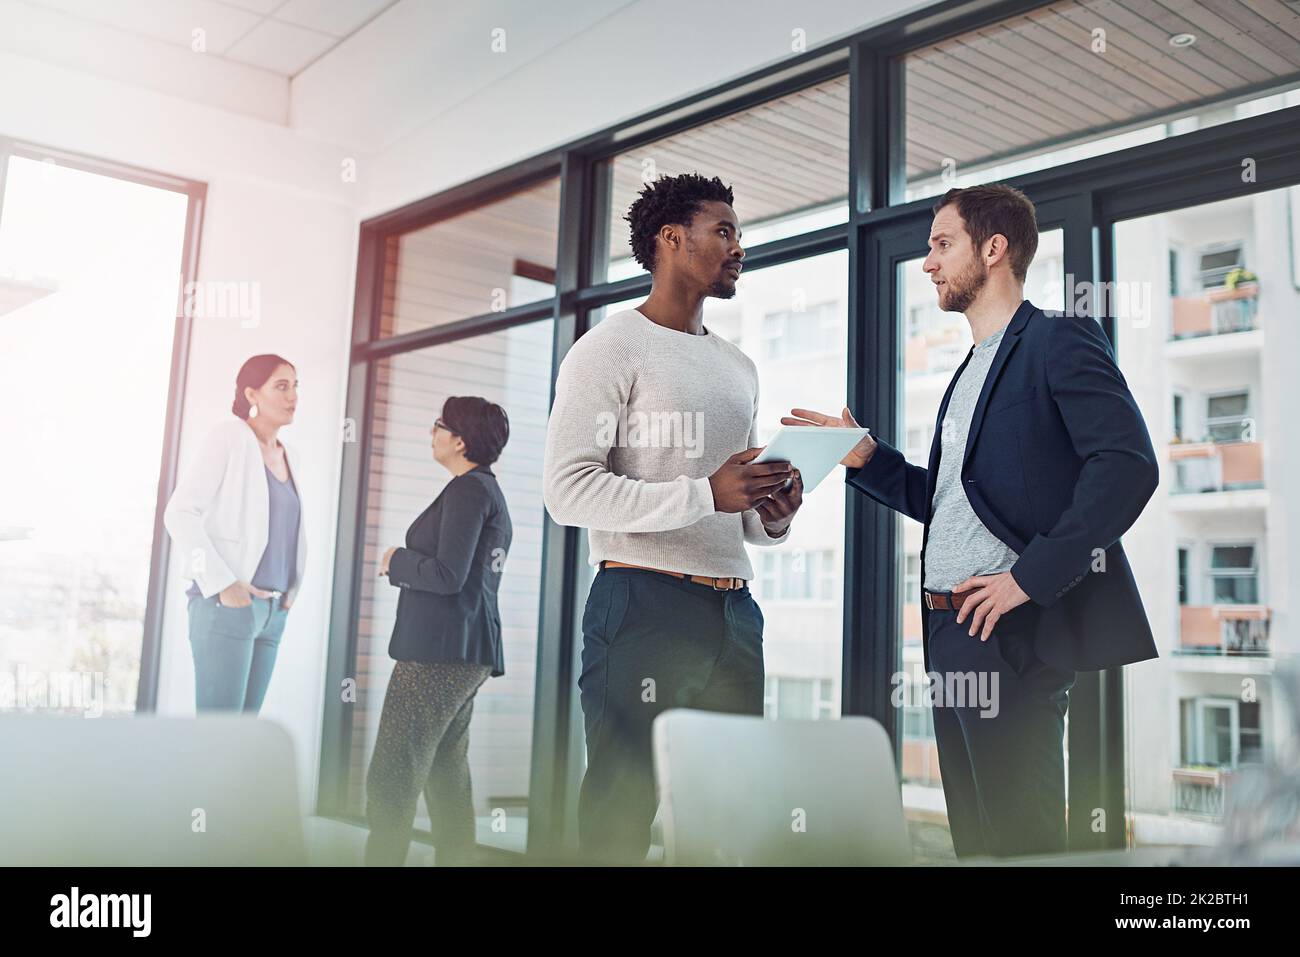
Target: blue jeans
point(651, 642)
point(234, 652)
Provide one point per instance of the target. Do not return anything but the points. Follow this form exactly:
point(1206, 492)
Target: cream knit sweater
point(643, 415)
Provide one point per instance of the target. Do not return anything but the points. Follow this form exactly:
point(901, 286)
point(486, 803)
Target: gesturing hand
point(778, 511)
point(859, 455)
point(995, 595)
point(739, 484)
point(383, 563)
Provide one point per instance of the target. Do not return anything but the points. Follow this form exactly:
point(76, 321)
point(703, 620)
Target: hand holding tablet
point(815, 447)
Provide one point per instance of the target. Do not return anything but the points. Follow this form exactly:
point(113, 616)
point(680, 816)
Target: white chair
point(215, 790)
point(741, 790)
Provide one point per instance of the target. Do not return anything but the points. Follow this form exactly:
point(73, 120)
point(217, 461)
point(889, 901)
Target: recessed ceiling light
point(1182, 40)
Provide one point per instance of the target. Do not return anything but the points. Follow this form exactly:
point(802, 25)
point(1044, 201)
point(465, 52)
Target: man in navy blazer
point(1040, 462)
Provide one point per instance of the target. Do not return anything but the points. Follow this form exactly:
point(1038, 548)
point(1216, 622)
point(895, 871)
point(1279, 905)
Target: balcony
point(1216, 466)
point(1215, 312)
point(1200, 790)
point(1240, 630)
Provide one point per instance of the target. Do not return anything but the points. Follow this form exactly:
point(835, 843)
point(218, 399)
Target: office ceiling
point(366, 73)
point(280, 36)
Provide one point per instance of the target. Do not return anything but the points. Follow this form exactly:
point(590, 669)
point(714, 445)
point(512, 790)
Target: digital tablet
point(813, 449)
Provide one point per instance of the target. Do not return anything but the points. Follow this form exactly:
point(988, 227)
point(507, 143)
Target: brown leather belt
point(717, 584)
point(946, 600)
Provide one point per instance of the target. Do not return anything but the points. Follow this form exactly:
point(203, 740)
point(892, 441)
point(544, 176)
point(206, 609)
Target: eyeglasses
point(439, 424)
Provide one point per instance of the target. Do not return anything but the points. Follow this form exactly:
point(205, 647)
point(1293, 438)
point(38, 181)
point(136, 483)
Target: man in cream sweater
point(649, 447)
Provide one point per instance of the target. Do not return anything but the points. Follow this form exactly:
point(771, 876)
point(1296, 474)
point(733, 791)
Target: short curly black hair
point(670, 199)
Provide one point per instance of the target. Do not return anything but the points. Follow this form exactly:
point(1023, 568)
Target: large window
point(90, 270)
point(1218, 506)
point(511, 368)
point(486, 260)
point(800, 584)
point(787, 161)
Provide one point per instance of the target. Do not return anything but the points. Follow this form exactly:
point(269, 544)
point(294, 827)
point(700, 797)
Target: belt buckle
point(929, 601)
point(714, 583)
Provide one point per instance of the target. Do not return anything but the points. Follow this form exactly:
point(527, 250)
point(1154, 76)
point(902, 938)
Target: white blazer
point(219, 514)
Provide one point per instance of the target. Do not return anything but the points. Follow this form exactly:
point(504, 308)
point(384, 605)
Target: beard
point(721, 289)
point(963, 289)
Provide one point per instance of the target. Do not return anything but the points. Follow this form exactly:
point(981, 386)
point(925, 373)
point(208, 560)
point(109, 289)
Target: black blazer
point(449, 573)
point(1058, 464)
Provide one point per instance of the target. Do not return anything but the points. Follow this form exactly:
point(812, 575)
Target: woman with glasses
point(446, 641)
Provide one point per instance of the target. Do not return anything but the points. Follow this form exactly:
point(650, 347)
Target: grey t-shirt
point(279, 563)
point(959, 545)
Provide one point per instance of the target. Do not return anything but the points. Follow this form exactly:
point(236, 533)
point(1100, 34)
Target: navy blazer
point(449, 573)
point(1058, 465)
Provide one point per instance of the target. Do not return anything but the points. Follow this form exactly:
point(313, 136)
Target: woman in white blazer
point(235, 516)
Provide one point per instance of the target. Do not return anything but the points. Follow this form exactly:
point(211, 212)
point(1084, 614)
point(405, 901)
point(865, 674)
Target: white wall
point(279, 214)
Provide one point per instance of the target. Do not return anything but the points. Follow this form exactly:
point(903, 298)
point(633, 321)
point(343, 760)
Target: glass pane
point(803, 598)
point(1218, 735)
point(486, 260)
point(512, 368)
point(1218, 498)
point(89, 283)
point(794, 698)
point(1080, 78)
point(1226, 416)
point(1234, 590)
point(1233, 404)
point(786, 160)
point(1232, 556)
point(935, 344)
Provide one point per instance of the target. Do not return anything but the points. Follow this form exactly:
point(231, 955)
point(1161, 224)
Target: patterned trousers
point(423, 744)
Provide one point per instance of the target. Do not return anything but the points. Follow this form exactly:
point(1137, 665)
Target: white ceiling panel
point(256, 6)
point(447, 52)
point(331, 16)
point(280, 47)
point(172, 21)
point(282, 36)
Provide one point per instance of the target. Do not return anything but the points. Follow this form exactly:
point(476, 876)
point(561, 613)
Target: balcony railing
point(1215, 312)
point(1216, 466)
point(1200, 790)
point(1223, 630)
